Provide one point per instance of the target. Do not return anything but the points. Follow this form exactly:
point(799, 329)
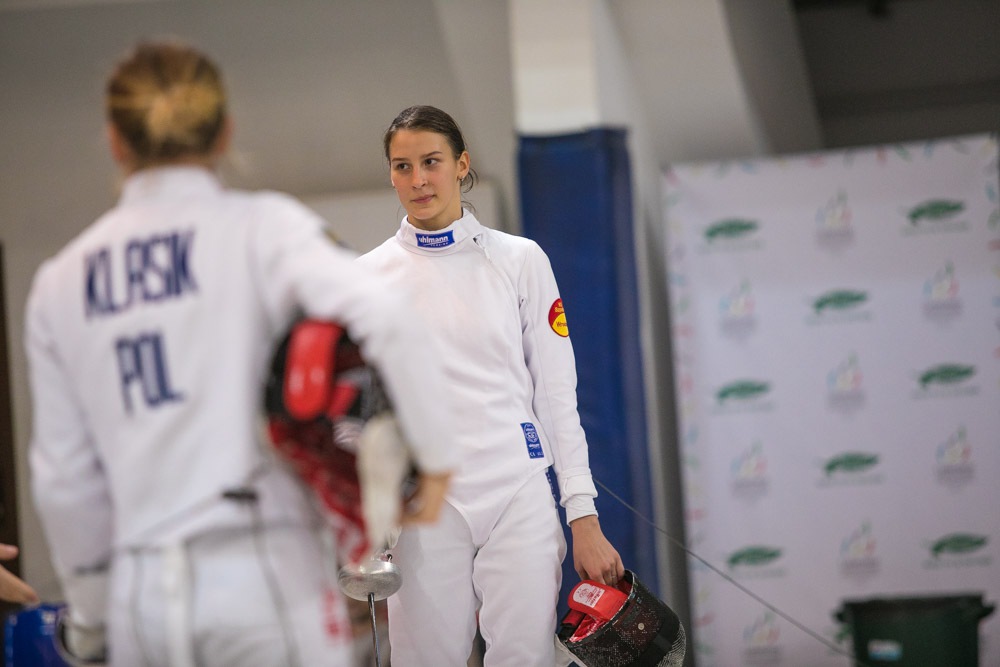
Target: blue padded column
point(576, 203)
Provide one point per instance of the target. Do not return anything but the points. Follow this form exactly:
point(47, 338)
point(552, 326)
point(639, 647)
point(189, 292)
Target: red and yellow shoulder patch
point(557, 318)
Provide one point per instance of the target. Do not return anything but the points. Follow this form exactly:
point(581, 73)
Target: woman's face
point(427, 177)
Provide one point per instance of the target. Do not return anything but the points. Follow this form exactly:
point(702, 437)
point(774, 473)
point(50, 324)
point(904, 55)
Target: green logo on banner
point(754, 556)
point(742, 390)
point(839, 300)
point(934, 210)
point(958, 543)
point(935, 216)
point(731, 228)
point(850, 462)
point(946, 374)
point(958, 550)
point(851, 469)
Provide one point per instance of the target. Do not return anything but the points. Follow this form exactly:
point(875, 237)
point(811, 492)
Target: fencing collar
point(442, 241)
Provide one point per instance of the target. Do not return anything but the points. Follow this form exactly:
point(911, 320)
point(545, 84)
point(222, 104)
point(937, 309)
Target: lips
point(422, 200)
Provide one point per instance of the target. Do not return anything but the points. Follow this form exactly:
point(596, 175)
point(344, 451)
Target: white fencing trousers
point(231, 598)
point(513, 580)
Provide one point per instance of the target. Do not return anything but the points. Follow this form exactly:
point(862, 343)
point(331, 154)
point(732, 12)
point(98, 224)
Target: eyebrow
point(426, 155)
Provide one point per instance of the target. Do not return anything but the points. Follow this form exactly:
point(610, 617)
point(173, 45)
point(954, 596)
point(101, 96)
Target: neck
point(436, 224)
point(205, 161)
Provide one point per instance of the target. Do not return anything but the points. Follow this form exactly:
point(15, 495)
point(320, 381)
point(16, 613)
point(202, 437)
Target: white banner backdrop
point(836, 331)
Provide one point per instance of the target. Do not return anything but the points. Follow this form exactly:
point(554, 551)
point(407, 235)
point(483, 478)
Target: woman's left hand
point(593, 556)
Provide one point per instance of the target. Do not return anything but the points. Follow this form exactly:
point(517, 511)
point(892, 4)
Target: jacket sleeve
point(68, 482)
point(548, 353)
point(304, 270)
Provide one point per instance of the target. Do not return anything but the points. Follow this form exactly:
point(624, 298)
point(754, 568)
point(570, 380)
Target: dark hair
point(167, 101)
point(431, 119)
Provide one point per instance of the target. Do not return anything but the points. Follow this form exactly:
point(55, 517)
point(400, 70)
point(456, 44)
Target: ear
point(120, 150)
point(464, 163)
point(225, 138)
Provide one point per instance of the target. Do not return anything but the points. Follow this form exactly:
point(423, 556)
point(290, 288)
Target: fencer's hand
point(425, 505)
point(13, 589)
point(593, 556)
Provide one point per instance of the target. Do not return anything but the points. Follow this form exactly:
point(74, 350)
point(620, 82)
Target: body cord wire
point(798, 624)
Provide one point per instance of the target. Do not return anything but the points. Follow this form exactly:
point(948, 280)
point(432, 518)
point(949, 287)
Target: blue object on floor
point(29, 638)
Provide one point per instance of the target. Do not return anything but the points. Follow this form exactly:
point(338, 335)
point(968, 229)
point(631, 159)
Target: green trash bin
point(933, 631)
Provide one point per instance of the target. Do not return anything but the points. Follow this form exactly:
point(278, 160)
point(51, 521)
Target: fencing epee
point(836, 334)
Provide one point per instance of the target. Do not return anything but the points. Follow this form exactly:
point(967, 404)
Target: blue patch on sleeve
point(436, 240)
point(531, 440)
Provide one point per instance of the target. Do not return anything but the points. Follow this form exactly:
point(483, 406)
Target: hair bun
point(178, 113)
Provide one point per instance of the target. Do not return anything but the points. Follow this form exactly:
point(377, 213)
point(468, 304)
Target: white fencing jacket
point(148, 340)
point(492, 299)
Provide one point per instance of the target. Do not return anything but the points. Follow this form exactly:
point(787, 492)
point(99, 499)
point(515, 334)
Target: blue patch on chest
point(532, 442)
point(436, 240)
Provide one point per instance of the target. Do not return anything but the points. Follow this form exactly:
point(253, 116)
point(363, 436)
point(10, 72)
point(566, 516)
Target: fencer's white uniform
point(493, 301)
point(149, 338)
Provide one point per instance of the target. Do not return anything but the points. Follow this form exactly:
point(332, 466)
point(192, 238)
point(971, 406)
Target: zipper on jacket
point(481, 244)
point(478, 240)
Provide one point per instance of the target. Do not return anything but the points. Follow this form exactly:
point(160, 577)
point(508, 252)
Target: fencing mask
point(621, 626)
point(329, 416)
